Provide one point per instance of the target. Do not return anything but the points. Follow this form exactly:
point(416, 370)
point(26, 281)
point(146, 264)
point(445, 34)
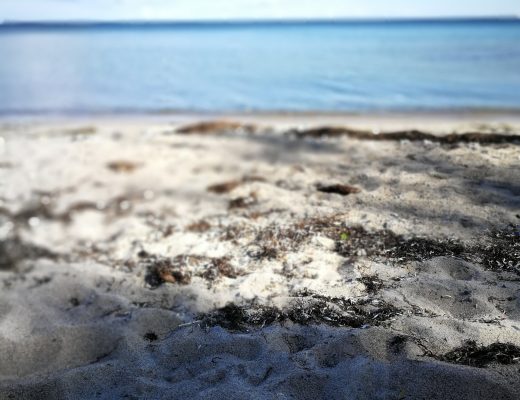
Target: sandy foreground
point(260, 260)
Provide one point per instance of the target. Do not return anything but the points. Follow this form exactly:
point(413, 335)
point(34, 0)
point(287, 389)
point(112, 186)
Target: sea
point(259, 66)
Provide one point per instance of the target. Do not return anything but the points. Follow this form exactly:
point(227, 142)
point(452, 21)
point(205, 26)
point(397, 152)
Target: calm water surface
point(270, 67)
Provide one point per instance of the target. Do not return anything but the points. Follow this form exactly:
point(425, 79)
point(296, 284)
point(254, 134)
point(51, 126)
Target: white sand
point(73, 326)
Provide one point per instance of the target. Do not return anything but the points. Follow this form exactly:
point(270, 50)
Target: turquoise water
point(269, 67)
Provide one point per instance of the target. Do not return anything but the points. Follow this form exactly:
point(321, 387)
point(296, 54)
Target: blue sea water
point(341, 66)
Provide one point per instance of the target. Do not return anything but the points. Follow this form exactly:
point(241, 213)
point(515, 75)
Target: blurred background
point(157, 56)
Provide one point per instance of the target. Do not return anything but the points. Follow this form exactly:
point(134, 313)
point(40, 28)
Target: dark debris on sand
point(480, 356)
point(215, 127)
point(14, 251)
point(151, 336)
point(385, 243)
point(372, 283)
point(502, 253)
point(353, 241)
point(36, 209)
point(181, 269)
point(123, 166)
point(243, 202)
point(498, 250)
point(411, 135)
point(199, 226)
point(307, 308)
point(343, 190)
point(43, 207)
point(226, 187)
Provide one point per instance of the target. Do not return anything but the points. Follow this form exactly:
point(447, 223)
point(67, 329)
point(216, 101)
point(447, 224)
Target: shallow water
point(269, 67)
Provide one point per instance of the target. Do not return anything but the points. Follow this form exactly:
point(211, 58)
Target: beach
point(260, 256)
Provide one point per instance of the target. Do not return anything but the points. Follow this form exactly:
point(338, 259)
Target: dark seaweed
point(397, 343)
point(160, 270)
point(502, 253)
point(181, 269)
point(388, 244)
point(351, 241)
point(307, 309)
point(343, 190)
point(151, 336)
point(411, 135)
point(215, 127)
point(372, 283)
point(480, 356)
point(498, 251)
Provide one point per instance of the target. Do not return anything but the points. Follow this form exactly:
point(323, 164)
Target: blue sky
point(246, 9)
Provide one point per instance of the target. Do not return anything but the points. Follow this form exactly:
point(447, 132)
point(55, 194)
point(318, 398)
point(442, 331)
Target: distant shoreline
point(428, 120)
point(90, 24)
point(426, 112)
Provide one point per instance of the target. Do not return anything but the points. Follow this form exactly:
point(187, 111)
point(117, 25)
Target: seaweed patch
point(216, 127)
point(342, 190)
point(372, 283)
point(411, 135)
point(387, 244)
point(502, 253)
point(498, 251)
point(181, 269)
point(355, 241)
point(307, 308)
point(481, 356)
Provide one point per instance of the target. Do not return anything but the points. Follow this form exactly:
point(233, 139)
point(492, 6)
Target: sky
point(248, 9)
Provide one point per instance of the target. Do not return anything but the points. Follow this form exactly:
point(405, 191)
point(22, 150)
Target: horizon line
point(98, 22)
